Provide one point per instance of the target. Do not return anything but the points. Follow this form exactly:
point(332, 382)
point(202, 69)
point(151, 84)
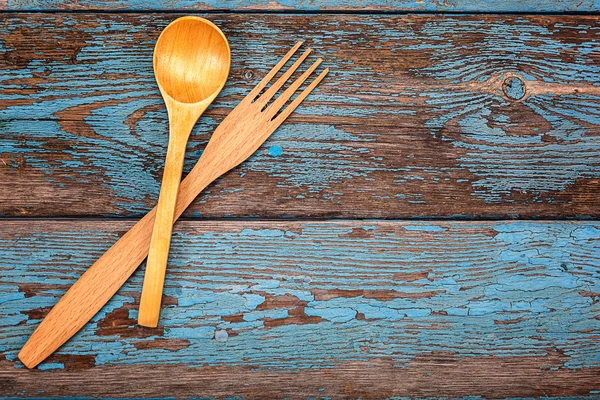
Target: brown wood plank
point(432, 375)
point(491, 116)
point(335, 309)
point(521, 6)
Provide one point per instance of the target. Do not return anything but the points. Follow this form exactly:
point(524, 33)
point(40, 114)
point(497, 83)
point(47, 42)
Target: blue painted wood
point(523, 6)
point(513, 303)
point(436, 116)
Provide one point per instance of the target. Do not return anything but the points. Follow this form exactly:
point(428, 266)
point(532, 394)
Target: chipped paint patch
point(424, 228)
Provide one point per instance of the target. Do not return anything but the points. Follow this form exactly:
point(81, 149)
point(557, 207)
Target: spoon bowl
point(191, 65)
point(191, 60)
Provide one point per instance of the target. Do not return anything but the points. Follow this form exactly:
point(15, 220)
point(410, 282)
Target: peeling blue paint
point(262, 232)
point(51, 366)
point(466, 276)
point(425, 228)
point(123, 150)
point(11, 296)
point(333, 314)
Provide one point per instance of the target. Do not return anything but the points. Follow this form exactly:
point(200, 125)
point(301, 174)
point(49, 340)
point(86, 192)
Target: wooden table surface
point(426, 225)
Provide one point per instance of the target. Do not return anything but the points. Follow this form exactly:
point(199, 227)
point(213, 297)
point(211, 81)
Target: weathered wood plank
point(522, 6)
point(437, 116)
point(335, 309)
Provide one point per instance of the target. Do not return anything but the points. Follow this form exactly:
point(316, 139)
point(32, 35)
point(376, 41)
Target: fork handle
point(102, 280)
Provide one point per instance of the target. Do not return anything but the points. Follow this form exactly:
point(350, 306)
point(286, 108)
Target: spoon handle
point(102, 280)
point(156, 266)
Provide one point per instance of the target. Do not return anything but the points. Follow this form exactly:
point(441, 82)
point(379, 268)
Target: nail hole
point(221, 335)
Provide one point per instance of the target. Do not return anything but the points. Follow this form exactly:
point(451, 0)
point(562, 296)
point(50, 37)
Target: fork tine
point(261, 85)
point(296, 102)
point(268, 95)
point(285, 96)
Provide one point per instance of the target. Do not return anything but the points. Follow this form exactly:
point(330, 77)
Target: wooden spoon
point(191, 65)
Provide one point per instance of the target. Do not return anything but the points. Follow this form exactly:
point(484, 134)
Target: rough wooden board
point(418, 117)
point(429, 376)
point(361, 309)
point(521, 6)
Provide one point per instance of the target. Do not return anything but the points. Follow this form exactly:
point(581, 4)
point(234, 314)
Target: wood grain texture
point(311, 309)
point(423, 116)
point(521, 6)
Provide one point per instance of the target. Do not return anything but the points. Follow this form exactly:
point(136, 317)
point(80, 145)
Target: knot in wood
point(514, 88)
point(248, 74)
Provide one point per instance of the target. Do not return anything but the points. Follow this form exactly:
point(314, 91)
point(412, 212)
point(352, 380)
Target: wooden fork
point(239, 135)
